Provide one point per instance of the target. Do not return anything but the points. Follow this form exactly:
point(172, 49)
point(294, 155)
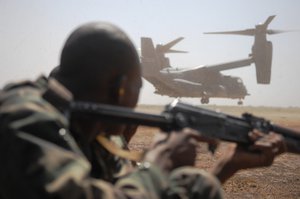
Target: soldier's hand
point(261, 153)
point(171, 150)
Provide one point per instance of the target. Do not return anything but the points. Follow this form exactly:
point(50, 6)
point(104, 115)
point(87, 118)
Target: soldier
point(48, 153)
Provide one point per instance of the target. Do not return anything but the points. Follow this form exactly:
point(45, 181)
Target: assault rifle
point(179, 115)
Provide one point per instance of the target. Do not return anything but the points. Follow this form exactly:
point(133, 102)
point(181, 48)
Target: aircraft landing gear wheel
point(207, 100)
point(240, 102)
point(204, 100)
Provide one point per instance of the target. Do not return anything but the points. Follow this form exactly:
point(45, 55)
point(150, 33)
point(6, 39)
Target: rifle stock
point(179, 115)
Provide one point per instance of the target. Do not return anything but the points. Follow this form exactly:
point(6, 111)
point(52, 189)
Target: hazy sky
point(32, 33)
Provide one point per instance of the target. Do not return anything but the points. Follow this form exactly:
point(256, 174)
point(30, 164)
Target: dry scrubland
point(281, 180)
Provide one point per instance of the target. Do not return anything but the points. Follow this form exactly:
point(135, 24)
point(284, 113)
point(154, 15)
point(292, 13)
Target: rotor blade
point(247, 32)
point(268, 21)
point(168, 46)
point(176, 51)
point(273, 32)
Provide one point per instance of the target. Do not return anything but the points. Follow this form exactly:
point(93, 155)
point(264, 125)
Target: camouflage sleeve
point(190, 182)
point(148, 181)
point(183, 183)
point(41, 160)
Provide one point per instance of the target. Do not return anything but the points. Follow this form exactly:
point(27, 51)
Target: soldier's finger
point(255, 135)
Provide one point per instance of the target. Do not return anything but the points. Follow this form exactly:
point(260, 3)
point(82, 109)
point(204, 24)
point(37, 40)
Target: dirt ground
point(281, 180)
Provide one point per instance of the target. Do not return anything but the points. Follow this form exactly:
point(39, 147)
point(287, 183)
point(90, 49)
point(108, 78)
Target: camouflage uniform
point(42, 158)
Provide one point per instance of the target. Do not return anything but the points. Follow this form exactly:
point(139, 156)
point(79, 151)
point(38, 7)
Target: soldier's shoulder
point(25, 83)
point(27, 97)
point(23, 89)
point(18, 92)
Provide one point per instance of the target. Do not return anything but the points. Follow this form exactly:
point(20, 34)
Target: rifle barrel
point(122, 114)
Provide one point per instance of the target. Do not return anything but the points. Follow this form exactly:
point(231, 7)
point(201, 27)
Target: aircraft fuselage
point(204, 83)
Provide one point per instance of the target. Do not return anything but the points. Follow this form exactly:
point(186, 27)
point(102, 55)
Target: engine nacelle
point(263, 64)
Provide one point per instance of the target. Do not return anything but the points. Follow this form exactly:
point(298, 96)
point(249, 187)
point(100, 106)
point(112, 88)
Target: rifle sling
point(115, 150)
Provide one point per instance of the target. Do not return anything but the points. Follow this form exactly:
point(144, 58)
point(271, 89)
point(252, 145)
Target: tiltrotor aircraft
point(207, 81)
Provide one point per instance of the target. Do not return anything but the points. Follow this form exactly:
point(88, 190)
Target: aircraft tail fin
point(153, 57)
point(147, 48)
point(166, 48)
point(149, 59)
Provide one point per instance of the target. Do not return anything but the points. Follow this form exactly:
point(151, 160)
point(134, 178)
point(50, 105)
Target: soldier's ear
point(122, 85)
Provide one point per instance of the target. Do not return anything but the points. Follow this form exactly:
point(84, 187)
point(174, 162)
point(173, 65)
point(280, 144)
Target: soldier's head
point(99, 64)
